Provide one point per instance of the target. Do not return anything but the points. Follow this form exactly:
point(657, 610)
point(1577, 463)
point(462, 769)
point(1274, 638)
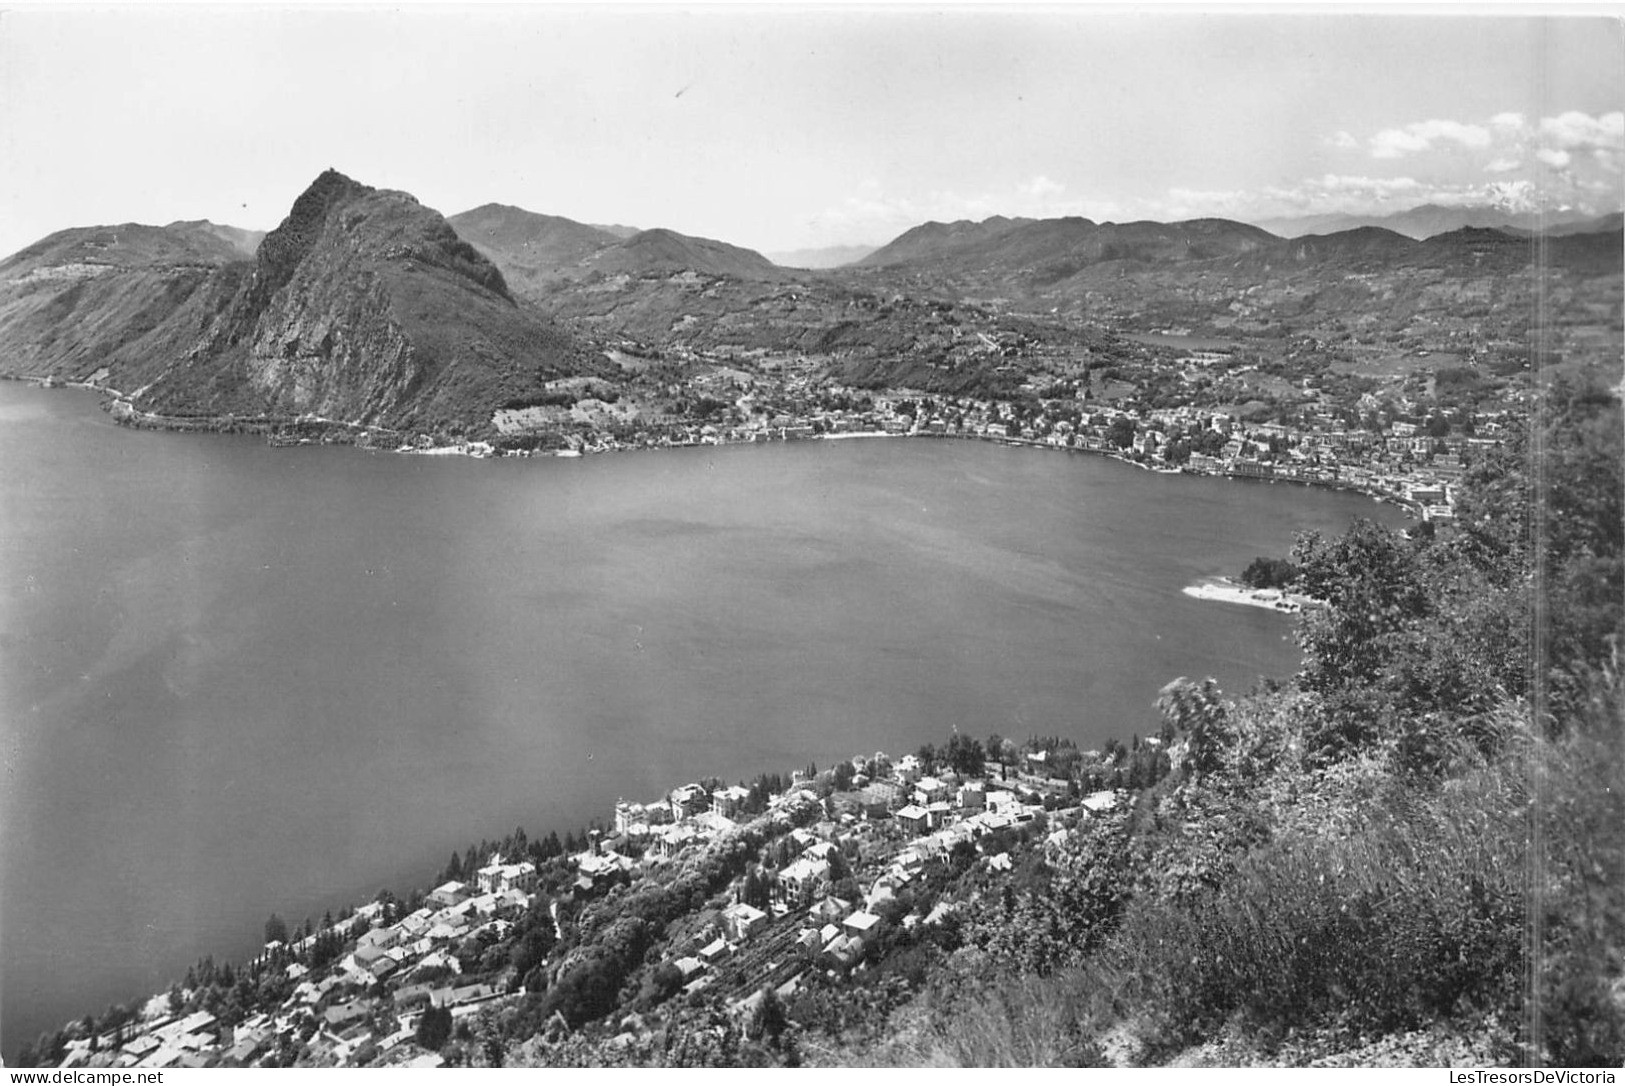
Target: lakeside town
point(1396, 448)
point(783, 890)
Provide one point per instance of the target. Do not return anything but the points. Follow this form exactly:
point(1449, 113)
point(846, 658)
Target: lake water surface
point(237, 679)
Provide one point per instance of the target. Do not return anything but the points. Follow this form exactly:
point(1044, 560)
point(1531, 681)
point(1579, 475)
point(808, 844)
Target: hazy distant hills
point(1018, 257)
point(1362, 243)
point(1466, 250)
point(1048, 250)
point(833, 256)
point(656, 252)
point(538, 253)
point(1483, 249)
point(129, 245)
point(1430, 219)
point(1599, 225)
point(243, 242)
point(362, 306)
point(1379, 247)
point(533, 250)
point(934, 240)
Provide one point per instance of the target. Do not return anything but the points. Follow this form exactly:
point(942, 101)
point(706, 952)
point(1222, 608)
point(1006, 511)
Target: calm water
point(237, 679)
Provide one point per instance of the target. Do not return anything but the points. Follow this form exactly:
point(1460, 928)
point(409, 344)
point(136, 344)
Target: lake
point(237, 679)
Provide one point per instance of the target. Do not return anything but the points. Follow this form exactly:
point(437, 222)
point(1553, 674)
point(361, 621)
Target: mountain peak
point(282, 249)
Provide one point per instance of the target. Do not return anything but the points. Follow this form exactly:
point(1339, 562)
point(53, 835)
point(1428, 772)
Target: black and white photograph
point(811, 536)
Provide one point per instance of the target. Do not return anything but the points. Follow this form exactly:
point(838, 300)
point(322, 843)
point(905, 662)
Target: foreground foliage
point(1410, 856)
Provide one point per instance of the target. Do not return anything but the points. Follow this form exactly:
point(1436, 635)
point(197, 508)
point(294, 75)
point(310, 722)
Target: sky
point(792, 127)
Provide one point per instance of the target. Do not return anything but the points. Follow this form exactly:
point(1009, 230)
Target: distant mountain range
point(1372, 247)
point(133, 245)
point(243, 242)
point(833, 256)
point(532, 250)
point(366, 307)
point(666, 251)
point(538, 252)
point(932, 239)
point(1431, 219)
point(1052, 249)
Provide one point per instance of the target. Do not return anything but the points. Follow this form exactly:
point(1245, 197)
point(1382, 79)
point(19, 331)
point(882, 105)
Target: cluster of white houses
point(885, 832)
point(882, 833)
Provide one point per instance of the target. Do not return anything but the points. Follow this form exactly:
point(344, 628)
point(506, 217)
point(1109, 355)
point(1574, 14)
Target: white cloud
point(1584, 143)
point(1040, 187)
point(1574, 129)
point(1379, 188)
point(1422, 135)
point(1394, 142)
point(1510, 160)
point(1349, 194)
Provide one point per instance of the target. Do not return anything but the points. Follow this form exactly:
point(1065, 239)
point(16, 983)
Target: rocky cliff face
point(362, 306)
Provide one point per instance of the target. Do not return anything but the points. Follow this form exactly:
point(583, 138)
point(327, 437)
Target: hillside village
point(830, 871)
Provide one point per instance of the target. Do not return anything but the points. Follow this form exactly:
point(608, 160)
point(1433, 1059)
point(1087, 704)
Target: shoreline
point(1226, 590)
point(157, 1031)
point(1021, 443)
point(118, 406)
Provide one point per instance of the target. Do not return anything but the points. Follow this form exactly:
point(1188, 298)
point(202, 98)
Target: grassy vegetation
point(1409, 855)
point(1443, 884)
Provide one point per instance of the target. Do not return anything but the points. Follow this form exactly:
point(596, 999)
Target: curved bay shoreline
point(314, 430)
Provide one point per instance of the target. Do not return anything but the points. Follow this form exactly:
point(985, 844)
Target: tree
point(532, 949)
point(965, 755)
point(839, 869)
point(927, 755)
point(492, 1045)
point(1265, 572)
point(1197, 712)
point(276, 930)
point(1373, 586)
point(757, 890)
point(768, 1020)
point(434, 1028)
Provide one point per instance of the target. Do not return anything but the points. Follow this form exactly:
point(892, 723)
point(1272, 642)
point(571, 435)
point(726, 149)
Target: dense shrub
point(1386, 929)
